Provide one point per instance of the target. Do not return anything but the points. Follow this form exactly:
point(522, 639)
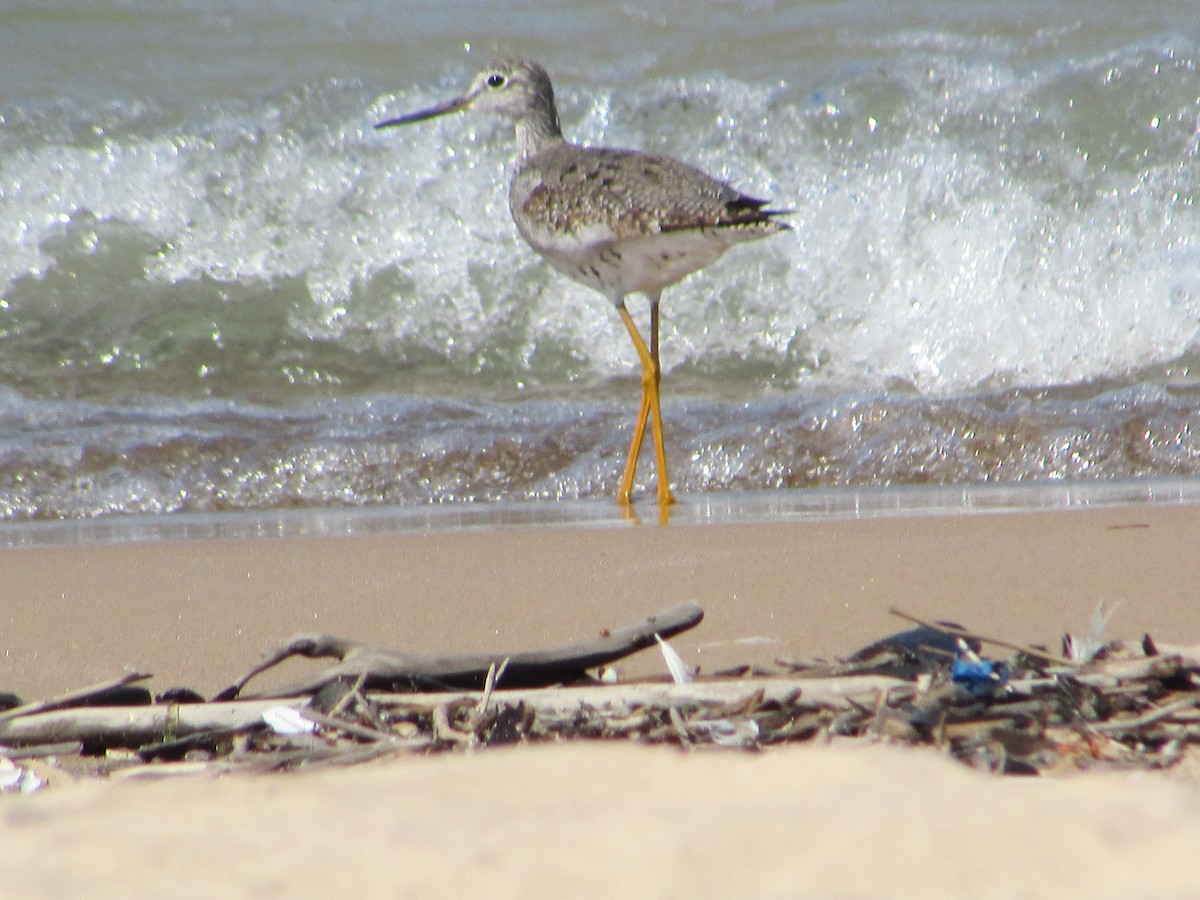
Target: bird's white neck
point(537, 130)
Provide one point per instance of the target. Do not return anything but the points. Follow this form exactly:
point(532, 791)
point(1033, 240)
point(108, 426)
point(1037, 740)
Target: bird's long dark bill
point(450, 106)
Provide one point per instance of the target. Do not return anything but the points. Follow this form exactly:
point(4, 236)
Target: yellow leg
point(665, 497)
point(625, 494)
point(648, 407)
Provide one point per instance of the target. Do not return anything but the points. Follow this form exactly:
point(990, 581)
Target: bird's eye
point(495, 81)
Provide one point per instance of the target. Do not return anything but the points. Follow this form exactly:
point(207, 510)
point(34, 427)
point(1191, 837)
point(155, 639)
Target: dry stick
point(444, 729)
point(489, 685)
point(362, 731)
point(1147, 718)
point(955, 631)
point(158, 770)
point(361, 753)
point(680, 725)
point(352, 694)
point(493, 678)
point(39, 751)
point(819, 692)
point(135, 725)
point(76, 696)
point(355, 694)
point(322, 756)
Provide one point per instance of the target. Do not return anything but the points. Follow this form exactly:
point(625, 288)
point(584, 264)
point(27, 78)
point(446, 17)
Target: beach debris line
point(1122, 704)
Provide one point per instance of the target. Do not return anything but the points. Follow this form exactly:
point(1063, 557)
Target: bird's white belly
point(627, 266)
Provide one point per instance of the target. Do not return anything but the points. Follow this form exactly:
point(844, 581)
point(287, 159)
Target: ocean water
point(222, 291)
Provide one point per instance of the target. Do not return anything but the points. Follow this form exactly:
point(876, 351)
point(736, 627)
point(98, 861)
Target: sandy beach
point(271, 367)
point(602, 820)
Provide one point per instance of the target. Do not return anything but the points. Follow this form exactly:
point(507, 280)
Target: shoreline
point(726, 508)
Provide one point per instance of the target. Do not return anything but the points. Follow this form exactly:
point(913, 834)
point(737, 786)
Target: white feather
point(675, 664)
point(286, 720)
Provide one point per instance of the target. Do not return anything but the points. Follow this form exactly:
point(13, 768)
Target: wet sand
point(594, 820)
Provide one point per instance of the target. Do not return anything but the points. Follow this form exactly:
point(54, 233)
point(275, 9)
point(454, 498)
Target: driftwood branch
point(132, 726)
point(384, 669)
point(836, 693)
point(137, 725)
point(74, 697)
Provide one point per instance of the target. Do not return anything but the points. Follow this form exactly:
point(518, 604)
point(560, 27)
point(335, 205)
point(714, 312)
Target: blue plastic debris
point(978, 677)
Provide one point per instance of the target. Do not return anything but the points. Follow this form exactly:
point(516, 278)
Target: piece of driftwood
point(74, 697)
point(381, 668)
point(131, 726)
point(835, 693)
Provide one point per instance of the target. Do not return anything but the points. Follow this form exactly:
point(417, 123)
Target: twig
point(493, 677)
point(444, 728)
point(1147, 718)
point(955, 631)
point(40, 751)
point(67, 698)
point(680, 726)
point(352, 694)
point(362, 731)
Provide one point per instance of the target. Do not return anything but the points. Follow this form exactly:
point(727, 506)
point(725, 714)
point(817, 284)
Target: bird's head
point(513, 89)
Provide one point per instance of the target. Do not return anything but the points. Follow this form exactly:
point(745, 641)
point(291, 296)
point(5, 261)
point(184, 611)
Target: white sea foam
point(955, 227)
point(994, 272)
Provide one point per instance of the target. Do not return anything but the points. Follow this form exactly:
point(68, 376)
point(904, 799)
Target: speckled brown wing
point(569, 189)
